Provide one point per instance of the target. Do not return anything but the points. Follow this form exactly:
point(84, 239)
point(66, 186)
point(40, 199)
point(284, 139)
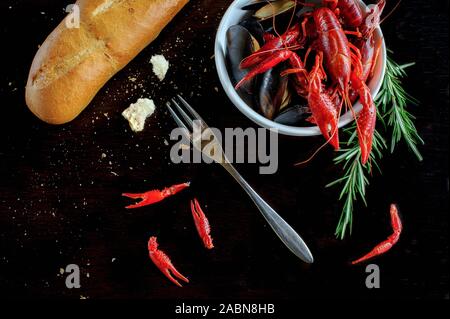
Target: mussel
point(255, 28)
point(293, 115)
point(274, 92)
point(240, 44)
point(274, 8)
point(270, 93)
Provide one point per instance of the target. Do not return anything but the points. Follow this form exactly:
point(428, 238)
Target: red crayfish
point(202, 224)
point(163, 262)
point(154, 196)
point(386, 245)
point(159, 258)
point(341, 35)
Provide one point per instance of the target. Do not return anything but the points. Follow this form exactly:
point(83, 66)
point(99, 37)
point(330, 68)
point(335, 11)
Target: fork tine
point(178, 120)
point(183, 114)
point(190, 109)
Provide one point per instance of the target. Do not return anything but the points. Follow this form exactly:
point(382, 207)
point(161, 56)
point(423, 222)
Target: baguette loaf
point(73, 64)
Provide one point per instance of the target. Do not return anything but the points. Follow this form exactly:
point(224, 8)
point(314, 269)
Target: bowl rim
point(259, 119)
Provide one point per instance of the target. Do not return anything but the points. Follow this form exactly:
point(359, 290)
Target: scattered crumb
point(160, 66)
point(138, 113)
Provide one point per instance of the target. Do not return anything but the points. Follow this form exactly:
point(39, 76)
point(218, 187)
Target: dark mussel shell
point(293, 115)
point(273, 92)
point(240, 44)
point(302, 10)
point(255, 28)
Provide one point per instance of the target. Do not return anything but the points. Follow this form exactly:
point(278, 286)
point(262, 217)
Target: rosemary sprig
point(392, 102)
point(355, 178)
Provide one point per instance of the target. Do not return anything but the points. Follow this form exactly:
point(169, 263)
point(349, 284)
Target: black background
point(60, 202)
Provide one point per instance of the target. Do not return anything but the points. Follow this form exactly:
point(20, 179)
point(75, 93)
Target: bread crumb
point(138, 113)
point(160, 66)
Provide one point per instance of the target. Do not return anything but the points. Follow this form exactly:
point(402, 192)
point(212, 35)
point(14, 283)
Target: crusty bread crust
point(73, 64)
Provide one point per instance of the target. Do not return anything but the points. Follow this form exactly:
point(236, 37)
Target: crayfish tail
point(364, 155)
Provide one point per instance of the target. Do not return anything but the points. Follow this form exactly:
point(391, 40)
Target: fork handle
point(284, 231)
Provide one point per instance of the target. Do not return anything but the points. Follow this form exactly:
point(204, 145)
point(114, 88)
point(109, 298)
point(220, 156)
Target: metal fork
point(285, 232)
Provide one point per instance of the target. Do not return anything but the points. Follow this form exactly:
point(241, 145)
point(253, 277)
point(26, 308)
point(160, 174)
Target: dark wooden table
point(60, 200)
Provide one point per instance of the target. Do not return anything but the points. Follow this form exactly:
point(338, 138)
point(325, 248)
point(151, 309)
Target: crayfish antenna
point(329, 141)
point(381, 4)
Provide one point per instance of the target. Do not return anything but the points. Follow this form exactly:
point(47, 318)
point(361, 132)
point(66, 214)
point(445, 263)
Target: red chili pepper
point(202, 224)
point(390, 242)
point(162, 261)
point(155, 196)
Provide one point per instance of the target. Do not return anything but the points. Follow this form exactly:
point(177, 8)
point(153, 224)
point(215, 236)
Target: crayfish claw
point(330, 132)
point(147, 198)
point(162, 261)
point(137, 205)
point(133, 196)
point(177, 274)
point(169, 275)
point(155, 196)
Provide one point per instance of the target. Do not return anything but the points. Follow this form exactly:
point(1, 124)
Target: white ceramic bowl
point(233, 16)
